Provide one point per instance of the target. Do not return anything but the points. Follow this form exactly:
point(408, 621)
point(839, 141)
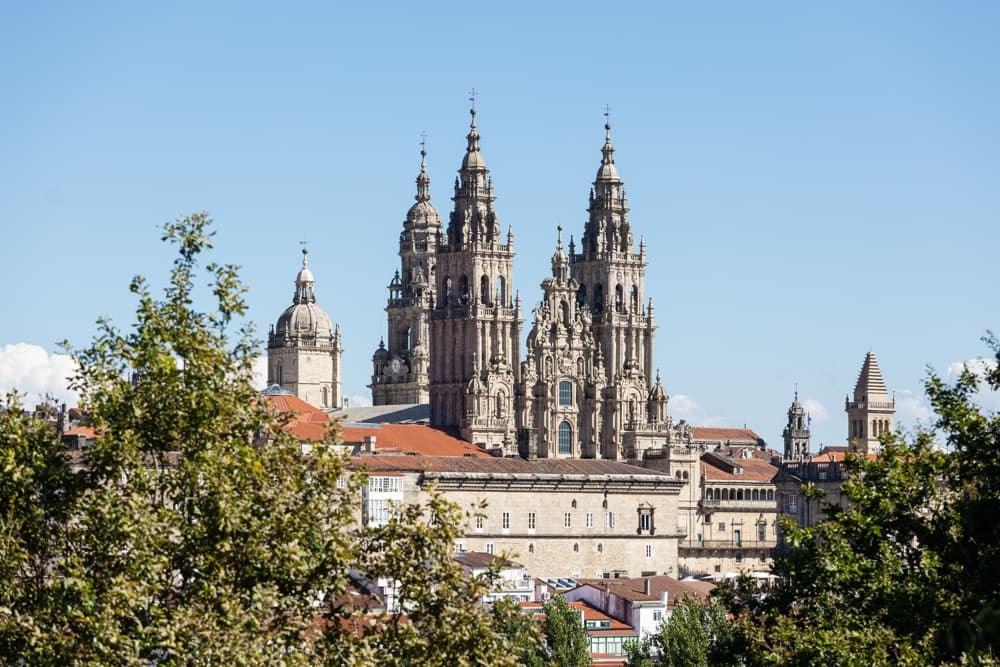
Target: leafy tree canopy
point(174, 540)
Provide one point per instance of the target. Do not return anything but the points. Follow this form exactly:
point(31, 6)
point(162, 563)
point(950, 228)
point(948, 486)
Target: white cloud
point(259, 372)
point(360, 401)
point(817, 411)
point(987, 398)
point(912, 409)
point(32, 371)
point(684, 407)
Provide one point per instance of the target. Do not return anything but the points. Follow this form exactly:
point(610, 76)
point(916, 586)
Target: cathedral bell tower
point(871, 412)
point(611, 279)
point(475, 324)
point(796, 433)
point(401, 368)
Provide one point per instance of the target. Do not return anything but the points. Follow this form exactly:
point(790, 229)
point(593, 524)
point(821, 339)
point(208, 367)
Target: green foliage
point(566, 642)
point(174, 540)
point(909, 573)
point(521, 631)
point(697, 633)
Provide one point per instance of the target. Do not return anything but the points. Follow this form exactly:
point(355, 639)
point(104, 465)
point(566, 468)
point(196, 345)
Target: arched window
point(718, 494)
point(739, 495)
point(770, 494)
point(531, 548)
point(326, 396)
point(565, 438)
point(407, 340)
point(281, 376)
point(484, 290)
point(446, 288)
point(725, 494)
point(708, 494)
point(581, 295)
point(463, 289)
point(501, 291)
point(635, 299)
point(501, 405)
point(754, 496)
point(573, 504)
point(564, 312)
point(600, 548)
point(566, 393)
point(598, 298)
point(686, 475)
point(619, 299)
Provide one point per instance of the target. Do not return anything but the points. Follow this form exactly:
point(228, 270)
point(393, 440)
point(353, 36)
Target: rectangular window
point(609, 520)
point(567, 520)
point(645, 521)
point(761, 532)
point(722, 526)
point(531, 520)
point(565, 393)
point(657, 615)
point(506, 520)
point(489, 548)
point(793, 503)
point(590, 519)
point(479, 522)
point(649, 551)
point(737, 537)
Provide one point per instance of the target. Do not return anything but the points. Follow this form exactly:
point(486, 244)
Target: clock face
point(396, 365)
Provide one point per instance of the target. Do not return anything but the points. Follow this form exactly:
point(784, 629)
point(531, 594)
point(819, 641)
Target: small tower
point(871, 412)
point(401, 368)
point(796, 433)
point(304, 349)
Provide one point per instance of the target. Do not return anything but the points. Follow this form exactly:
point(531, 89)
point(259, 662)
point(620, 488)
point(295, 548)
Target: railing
point(874, 405)
point(727, 544)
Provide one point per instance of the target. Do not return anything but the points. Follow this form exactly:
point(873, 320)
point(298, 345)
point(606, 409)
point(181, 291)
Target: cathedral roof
point(744, 470)
point(735, 434)
point(410, 439)
point(490, 464)
point(423, 213)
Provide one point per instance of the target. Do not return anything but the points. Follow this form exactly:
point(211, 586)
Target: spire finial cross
point(423, 141)
point(472, 98)
point(607, 115)
point(305, 246)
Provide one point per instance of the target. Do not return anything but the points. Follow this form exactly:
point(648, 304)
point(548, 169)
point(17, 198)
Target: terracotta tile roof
point(479, 559)
point(754, 470)
point(711, 433)
point(634, 588)
point(590, 613)
point(309, 423)
point(411, 439)
point(830, 454)
point(490, 464)
point(86, 431)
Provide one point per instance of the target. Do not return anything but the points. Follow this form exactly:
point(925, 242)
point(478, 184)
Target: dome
point(305, 276)
point(608, 172)
point(304, 320)
point(473, 160)
point(423, 214)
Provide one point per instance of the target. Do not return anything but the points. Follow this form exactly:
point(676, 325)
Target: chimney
point(645, 585)
point(370, 444)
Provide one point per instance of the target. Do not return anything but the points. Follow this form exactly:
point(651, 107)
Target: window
point(646, 520)
point(739, 556)
point(567, 520)
point(565, 438)
point(341, 482)
point(722, 526)
point(609, 519)
point(657, 615)
point(531, 520)
point(649, 551)
point(590, 519)
point(576, 547)
point(506, 521)
point(565, 393)
point(793, 503)
point(770, 494)
point(763, 557)
point(479, 521)
point(489, 548)
point(761, 532)
point(737, 537)
point(531, 548)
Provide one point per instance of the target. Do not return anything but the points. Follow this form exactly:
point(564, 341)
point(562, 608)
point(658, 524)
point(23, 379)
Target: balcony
point(750, 545)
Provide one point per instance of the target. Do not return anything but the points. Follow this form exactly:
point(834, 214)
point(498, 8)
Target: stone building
point(869, 415)
point(304, 349)
point(586, 387)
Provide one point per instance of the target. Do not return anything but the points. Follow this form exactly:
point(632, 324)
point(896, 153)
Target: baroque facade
point(586, 387)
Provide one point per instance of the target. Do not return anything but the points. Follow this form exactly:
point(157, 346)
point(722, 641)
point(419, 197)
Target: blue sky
point(813, 180)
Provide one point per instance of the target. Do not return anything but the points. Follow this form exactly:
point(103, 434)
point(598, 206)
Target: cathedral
point(586, 387)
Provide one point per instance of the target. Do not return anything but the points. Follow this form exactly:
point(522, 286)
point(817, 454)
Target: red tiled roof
point(86, 431)
point(634, 588)
point(308, 423)
point(754, 470)
point(411, 439)
point(590, 613)
point(711, 433)
point(490, 464)
point(837, 455)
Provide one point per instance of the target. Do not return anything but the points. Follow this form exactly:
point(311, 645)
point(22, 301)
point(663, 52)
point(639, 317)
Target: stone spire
point(796, 434)
point(560, 263)
point(871, 412)
point(473, 219)
point(607, 229)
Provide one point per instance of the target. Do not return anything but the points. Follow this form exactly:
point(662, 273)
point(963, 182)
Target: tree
point(566, 642)
point(174, 540)
point(697, 633)
point(909, 572)
point(522, 632)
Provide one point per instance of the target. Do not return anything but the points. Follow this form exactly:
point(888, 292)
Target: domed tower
point(476, 321)
point(611, 280)
point(401, 368)
point(304, 349)
point(796, 433)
